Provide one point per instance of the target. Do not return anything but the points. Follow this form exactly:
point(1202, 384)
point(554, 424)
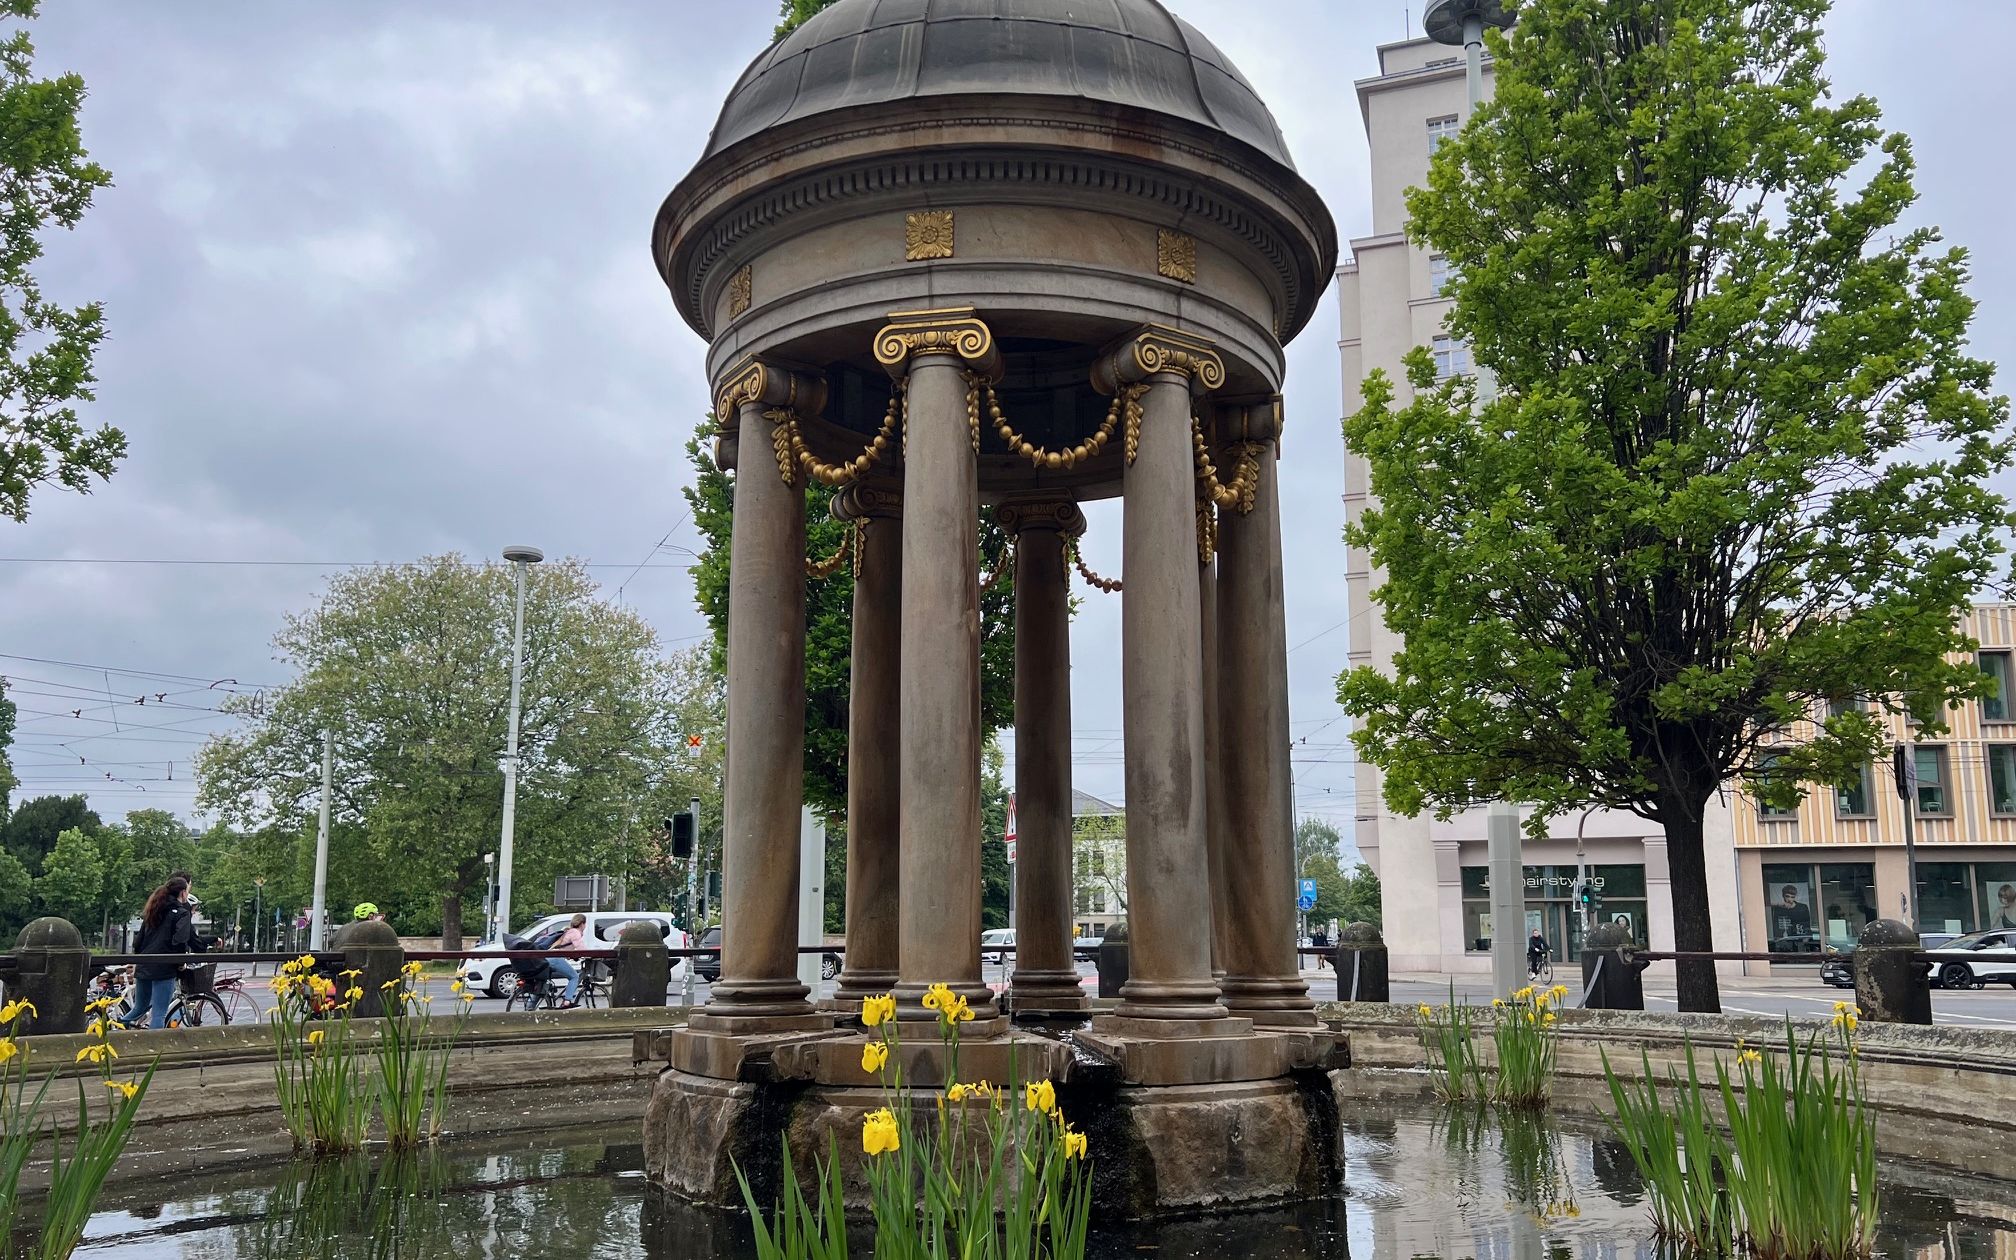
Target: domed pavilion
point(958, 257)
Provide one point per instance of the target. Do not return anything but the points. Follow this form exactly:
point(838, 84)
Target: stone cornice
point(954, 330)
point(1061, 515)
point(1154, 350)
point(878, 159)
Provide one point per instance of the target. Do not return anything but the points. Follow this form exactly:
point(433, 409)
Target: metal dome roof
point(1125, 52)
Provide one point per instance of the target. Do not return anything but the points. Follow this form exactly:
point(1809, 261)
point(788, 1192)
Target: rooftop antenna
point(1462, 22)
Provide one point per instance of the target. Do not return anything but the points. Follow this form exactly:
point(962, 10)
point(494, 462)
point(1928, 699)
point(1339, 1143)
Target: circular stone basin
point(1422, 1181)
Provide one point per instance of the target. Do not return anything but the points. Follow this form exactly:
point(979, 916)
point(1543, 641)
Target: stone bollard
point(1612, 980)
point(52, 968)
point(1891, 985)
point(1112, 961)
point(643, 967)
point(373, 948)
point(1360, 960)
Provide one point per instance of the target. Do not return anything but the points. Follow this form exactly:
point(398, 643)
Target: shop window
point(1851, 797)
point(1945, 897)
point(1997, 882)
point(1933, 795)
point(1788, 910)
point(2002, 778)
point(1996, 705)
point(1847, 902)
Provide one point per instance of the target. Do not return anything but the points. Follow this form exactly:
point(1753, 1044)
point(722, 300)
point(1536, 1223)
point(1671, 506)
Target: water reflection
point(1423, 1183)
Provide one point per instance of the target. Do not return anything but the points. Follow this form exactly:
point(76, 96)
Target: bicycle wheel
point(238, 1006)
point(198, 1010)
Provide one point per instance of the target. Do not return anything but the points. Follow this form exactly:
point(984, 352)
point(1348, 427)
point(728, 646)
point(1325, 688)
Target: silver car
point(1994, 959)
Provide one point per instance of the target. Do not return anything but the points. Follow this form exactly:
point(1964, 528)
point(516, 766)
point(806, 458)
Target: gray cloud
point(379, 286)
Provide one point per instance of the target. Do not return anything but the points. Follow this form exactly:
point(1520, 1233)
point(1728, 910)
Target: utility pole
point(692, 897)
point(258, 908)
point(318, 914)
point(520, 558)
point(1904, 762)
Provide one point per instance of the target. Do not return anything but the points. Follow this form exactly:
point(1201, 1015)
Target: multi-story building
point(1099, 863)
point(1812, 877)
point(1391, 295)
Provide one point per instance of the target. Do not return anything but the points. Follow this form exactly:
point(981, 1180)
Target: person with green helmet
point(366, 910)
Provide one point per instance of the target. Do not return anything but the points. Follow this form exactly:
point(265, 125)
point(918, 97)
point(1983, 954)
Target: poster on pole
point(1008, 832)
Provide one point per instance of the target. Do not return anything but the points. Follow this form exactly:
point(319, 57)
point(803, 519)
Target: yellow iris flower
point(315, 1037)
point(1074, 1143)
point(126, 1088)
point(1040, 1096)
point(879, 1134)
point(97, 1052)
point(878, 1010)
point(13, 1010)
point(874, 1056)
point(8, 1049)
point(938, 997)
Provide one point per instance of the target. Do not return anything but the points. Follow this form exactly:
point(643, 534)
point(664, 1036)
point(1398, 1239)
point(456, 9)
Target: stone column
point(1263, 976)
point(759, 989)
point(1168, 873)
point(874, 786)
point(1214, 762)
point(936, 354)
point(1046, 975)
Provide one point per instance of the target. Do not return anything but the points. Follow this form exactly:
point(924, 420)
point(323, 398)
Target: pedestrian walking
point(167, 928)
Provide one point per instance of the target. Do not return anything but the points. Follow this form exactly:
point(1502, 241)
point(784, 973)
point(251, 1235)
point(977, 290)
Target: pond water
point(1422, 1183)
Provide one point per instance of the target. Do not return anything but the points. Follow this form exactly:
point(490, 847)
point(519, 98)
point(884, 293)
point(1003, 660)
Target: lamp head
point(1444, 20)
point(524, 555)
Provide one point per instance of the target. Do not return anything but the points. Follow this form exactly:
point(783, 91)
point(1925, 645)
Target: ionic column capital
point(773, 384)
point(868, 500)
point(954, 330)
point(1153, 350)
point(1057, 515)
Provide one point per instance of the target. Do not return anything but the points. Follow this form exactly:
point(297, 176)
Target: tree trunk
point(1692, 914)
point(451, 921)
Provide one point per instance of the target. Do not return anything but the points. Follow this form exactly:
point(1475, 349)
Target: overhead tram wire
point(285, 564)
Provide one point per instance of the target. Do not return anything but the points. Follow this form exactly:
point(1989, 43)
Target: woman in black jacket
point(167, 928)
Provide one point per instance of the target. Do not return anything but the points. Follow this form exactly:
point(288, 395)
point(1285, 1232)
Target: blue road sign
point(1305, 895)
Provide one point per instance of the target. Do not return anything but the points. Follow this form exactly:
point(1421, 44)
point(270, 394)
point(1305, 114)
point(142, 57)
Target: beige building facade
point(1812, 877)
point(1433, 873)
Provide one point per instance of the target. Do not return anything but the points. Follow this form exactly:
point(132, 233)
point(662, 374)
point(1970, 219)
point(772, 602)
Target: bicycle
point(1541, 970)
point(189, 1008)
point(238, 1004)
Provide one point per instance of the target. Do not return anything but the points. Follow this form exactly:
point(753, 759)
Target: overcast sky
point(379, 286)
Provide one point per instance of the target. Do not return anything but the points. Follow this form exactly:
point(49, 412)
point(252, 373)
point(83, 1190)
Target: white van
point(498, 978)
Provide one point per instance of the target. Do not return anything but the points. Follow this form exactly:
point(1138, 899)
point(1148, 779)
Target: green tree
point(1099, 859)
point(795, 13)
point(1317, 838)
point(994, 868)
point(72, 883)
point(1734, 459)
point(17, 895)
point(45, 348)
point(31, 830)
point(829, 621)
point(1361, 899)
point(1333, 889)
point(411, 668)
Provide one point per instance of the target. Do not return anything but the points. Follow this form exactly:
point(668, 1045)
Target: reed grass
point(318, 1071)
point(76, 1176)
point(1792, 1176)
point(412, 1058)
point(1450, 1049)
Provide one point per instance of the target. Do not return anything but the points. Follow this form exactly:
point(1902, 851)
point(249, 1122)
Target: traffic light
point(681, 827)
point(1587, 897)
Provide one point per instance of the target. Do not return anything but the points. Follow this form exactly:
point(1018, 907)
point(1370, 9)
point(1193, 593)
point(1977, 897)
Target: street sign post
point(1305, 895)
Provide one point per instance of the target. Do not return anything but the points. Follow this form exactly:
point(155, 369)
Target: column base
point(856, 985)
point(738, 1023)
point(1034, 991)
point(1162, 1000)
point(760, 998)
point(1271, 1000)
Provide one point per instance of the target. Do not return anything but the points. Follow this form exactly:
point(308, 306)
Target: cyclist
point(166, 928)
point(570, 937)
point(1537, 950)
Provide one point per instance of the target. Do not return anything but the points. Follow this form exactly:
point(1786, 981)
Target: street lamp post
point(489, 895)
point(1462, 22)
point(521, 558)
point(258, 908)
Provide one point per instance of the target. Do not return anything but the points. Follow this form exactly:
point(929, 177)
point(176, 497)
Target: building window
point(1452, 357)
point(1439, 62)
point(1809, 909)
point(1836, 708)
point(1788, 910)
point(1767, 769)
point(2002, 778)
point(1995, 705)
point(1851, 796)
point(1997, 881)
point(1441, 129)
point(1933, 797)
point(1945, 897)
point(1439, 273)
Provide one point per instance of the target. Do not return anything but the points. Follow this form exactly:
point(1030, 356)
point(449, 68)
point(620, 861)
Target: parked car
point(1996, 961)
point(1838, 967)
point(498, 978)
point(1086, 948)
point(997, 945)
point(708, 966)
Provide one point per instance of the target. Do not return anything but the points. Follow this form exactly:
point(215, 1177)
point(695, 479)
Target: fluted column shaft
point(1046, 974)
point(939, 933)
point(1263, 978)
point(1168, 897)
point(764, 787)
point(874, 781)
